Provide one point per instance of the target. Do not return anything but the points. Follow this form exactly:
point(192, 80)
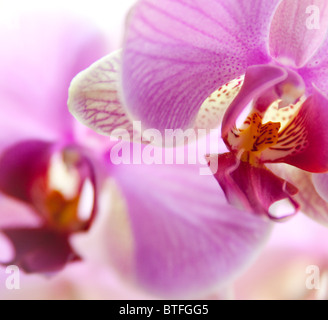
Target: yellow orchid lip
point(256, 137)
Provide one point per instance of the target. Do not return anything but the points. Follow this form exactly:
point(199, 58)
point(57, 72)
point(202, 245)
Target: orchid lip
point(59, 187)
point(70, 195)
point(263, 129)
point(276, 128)
point(281, 127)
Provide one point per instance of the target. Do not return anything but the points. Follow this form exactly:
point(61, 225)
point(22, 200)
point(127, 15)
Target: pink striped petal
point(297, 31)
point(316, 71)
point(186, 240)
point(177, 53)
point(94, 100)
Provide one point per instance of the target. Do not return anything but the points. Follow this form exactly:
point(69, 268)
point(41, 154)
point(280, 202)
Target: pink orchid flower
point(185, 239)
point(45, 172)
point(189, 65)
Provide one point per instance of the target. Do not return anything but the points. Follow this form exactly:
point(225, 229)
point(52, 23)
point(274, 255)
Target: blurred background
point(281, 271)
point(108, 15)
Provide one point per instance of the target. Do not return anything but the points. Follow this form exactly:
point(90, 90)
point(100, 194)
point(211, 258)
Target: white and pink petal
point(94, 98)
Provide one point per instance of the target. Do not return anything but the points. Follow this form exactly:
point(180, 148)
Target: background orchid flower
point(179, 237)
point(48, 179)
point(189, 65)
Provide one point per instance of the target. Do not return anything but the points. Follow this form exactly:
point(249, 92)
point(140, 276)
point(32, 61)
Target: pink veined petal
point(252, 188)
point(303, 143)
point(297, 30)
point(40, 250)
point(95, 101)
point(186, 239)
point(37, 65)
point(258, 79)
point(315, 72)
point(176, 53)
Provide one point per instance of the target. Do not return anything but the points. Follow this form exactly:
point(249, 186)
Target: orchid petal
point(30, 72)
point(212, 110)
point(302, 142)
point(294, 37)
point(316, 71)
point(258, 79)
point(176, 53)
point(251, 188)
point(94, 99)
point(186, 239)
